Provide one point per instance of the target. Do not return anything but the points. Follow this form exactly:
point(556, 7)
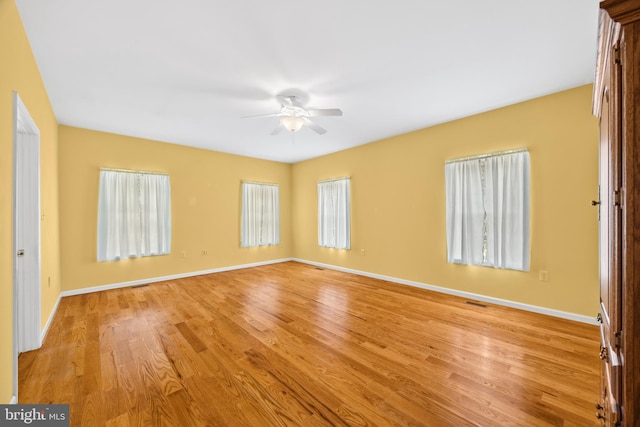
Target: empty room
point(337, 213)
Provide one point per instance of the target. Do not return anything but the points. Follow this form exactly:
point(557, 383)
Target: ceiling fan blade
point(277, 129)
point(318, 129)
point(325, 112)
point(262, 115)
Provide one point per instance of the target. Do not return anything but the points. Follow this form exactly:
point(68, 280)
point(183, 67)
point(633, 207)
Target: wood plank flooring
point(291, 344)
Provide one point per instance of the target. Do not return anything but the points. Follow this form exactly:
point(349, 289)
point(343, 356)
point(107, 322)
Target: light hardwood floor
point(291, 344)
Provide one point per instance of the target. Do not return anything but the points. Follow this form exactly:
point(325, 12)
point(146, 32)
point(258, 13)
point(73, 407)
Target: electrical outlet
point(543, 276)
point(49, 280)
point(183, 254)
point(363, 252)
point(205, 252)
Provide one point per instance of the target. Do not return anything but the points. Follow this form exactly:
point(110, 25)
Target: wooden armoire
point(617, 103)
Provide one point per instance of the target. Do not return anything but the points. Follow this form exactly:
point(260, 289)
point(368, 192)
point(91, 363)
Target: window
point(134, 215)
point(487, 210)
point(260, 214)
point(334, 226)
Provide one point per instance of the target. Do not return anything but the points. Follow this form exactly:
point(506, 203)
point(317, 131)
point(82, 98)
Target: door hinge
point(616, 55)
point(617, 339)
point(617, 198)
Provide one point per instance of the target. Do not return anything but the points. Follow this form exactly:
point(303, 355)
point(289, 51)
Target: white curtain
point(487, 211)
point(464, 213)
point(507, 201)
point(334, 228)
point(134, 215)
point(260, 214)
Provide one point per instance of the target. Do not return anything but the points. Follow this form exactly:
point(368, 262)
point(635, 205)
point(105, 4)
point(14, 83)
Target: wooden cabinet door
point(608, 409)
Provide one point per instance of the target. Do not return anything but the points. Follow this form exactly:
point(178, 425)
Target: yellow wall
point(398, 203)
point(19, 72)
point(206, 204)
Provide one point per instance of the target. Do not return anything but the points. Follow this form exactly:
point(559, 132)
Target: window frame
point(334, 199)
point(124, 230)
point(264, 207)
point(488, 210)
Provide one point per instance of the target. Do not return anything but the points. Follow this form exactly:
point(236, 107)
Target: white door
point(26, 234)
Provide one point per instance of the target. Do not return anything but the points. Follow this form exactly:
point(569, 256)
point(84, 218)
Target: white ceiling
point(187, 71)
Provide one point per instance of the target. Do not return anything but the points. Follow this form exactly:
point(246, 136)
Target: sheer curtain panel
point(465, 213)
point(334, 212)
point(487, 210)
point(134, 215)
point(260, 214)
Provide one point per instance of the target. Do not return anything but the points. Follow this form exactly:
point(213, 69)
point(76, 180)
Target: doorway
point(26, 236)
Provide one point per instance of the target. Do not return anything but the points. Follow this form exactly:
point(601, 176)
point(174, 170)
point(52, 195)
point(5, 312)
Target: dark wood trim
point(630, 57)
point(626, 121)
point(622, 11)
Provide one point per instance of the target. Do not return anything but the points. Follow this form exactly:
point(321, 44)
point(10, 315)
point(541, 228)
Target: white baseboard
point(14, 400)
point(43, 335)
point(469, 295)
point(166, 278)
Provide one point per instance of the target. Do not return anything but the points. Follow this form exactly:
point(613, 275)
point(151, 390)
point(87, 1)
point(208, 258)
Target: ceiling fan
point(293, 116)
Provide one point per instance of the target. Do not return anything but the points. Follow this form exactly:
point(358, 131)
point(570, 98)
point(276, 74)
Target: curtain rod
point(132, 171)
point(334, 179)
point(484, 156)
point(260, 183)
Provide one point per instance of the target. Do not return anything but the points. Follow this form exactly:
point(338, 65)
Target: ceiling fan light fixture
point(292, 124)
